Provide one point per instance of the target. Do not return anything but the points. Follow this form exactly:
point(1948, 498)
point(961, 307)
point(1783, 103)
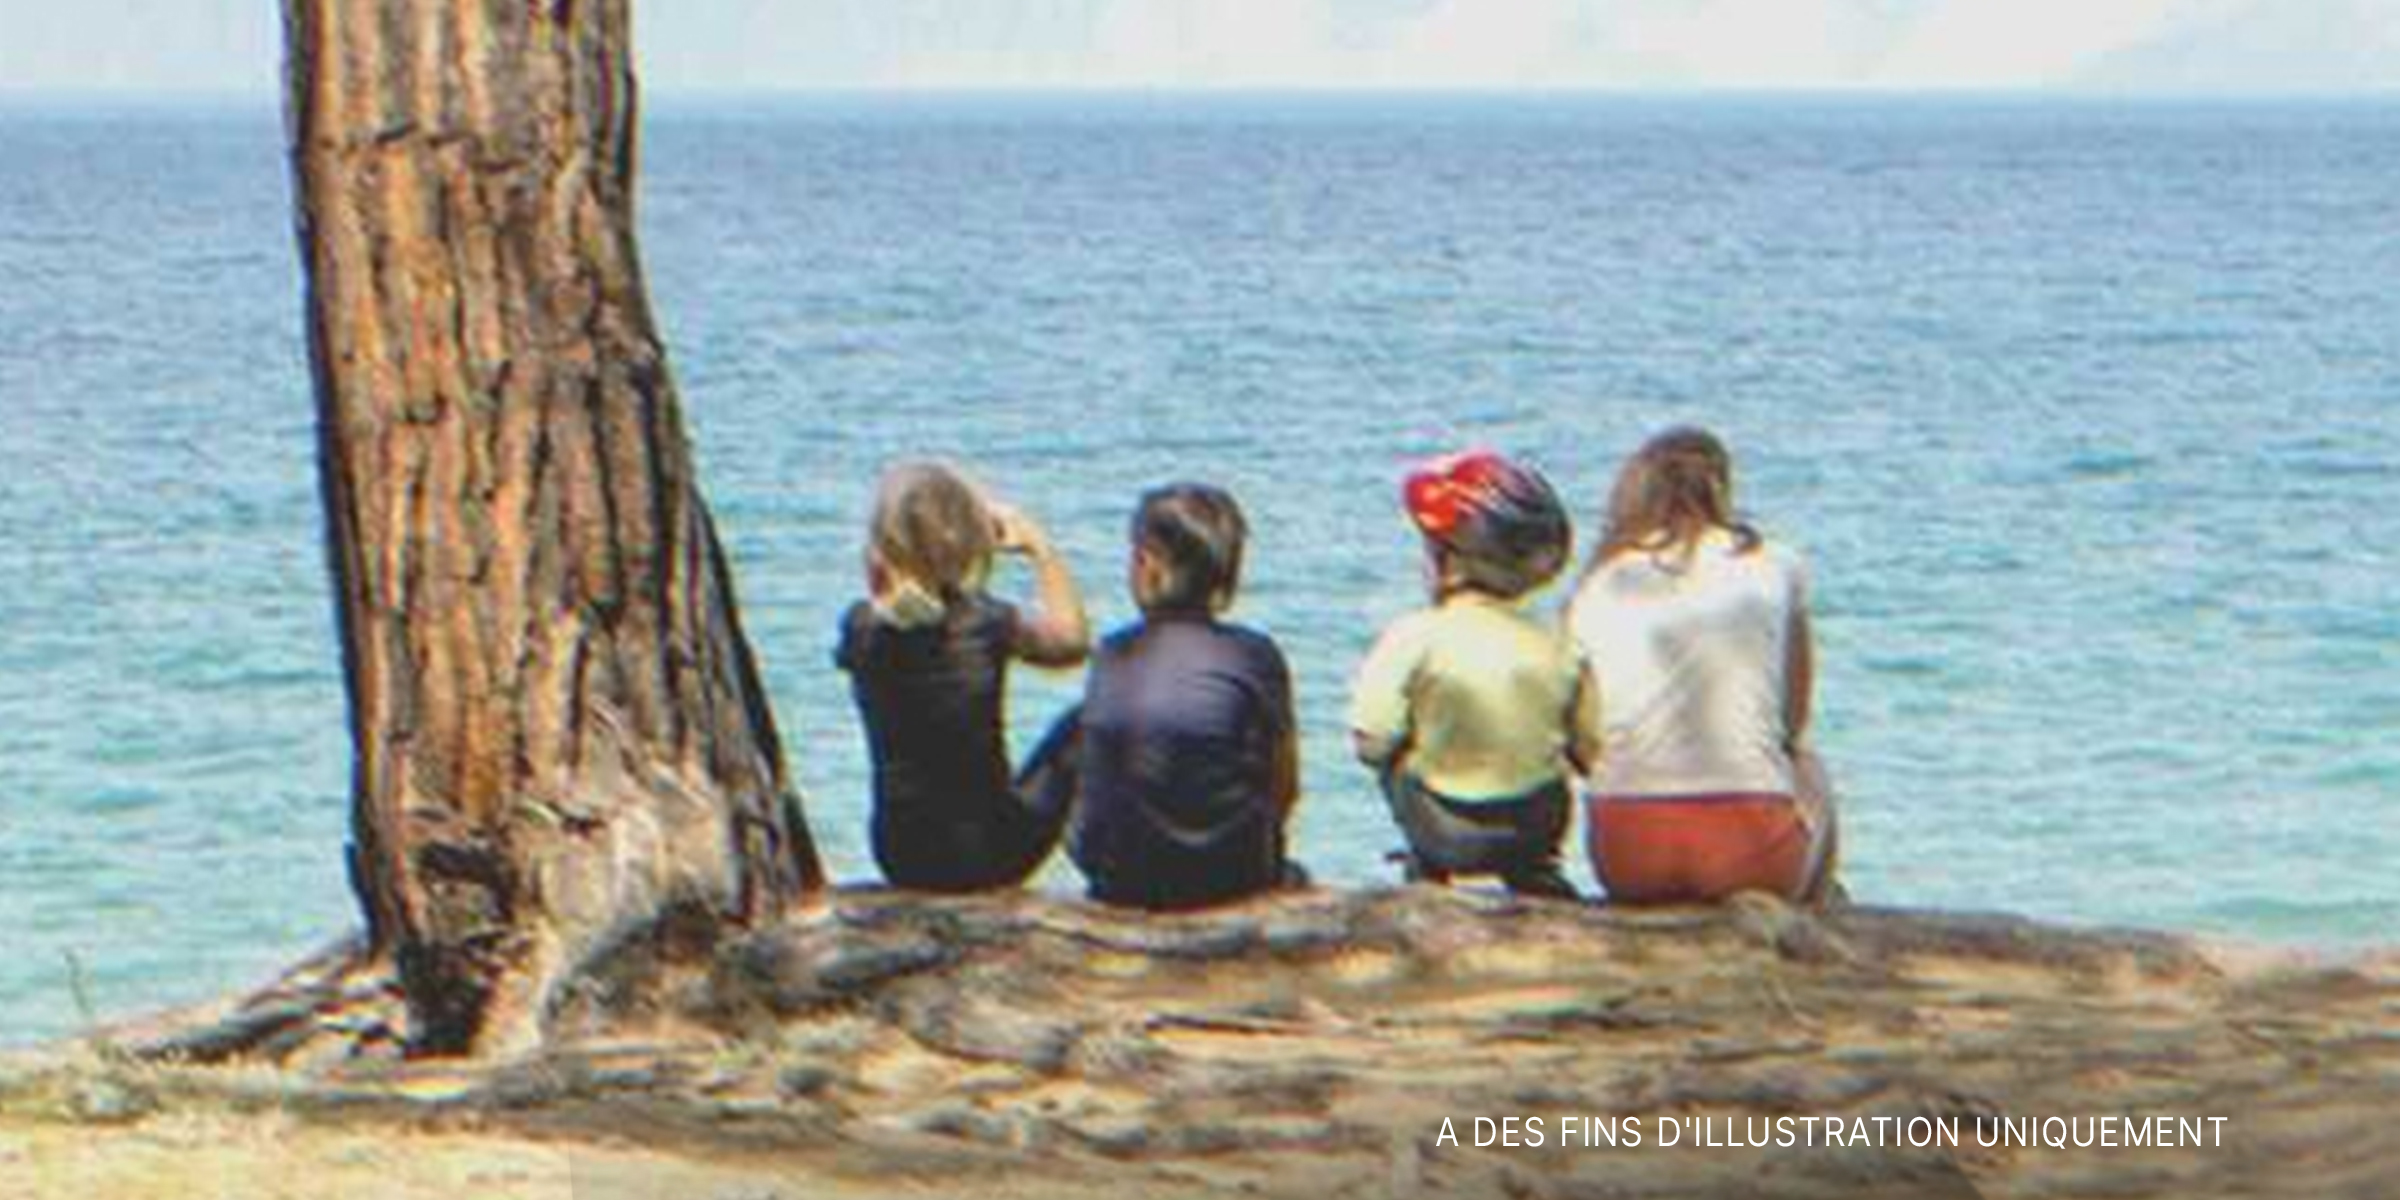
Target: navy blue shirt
point(1184, 723)
point(933, 701)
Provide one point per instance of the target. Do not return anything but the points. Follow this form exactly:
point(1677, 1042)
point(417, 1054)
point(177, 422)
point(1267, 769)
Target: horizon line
point(673, 94)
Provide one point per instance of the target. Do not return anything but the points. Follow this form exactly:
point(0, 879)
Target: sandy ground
point(218, 1157)
point(1310, 1048)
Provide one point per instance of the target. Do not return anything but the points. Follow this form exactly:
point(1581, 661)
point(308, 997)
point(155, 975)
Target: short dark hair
point(1196, 533)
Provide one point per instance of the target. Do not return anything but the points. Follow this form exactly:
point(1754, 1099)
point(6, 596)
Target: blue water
point(2089, 418)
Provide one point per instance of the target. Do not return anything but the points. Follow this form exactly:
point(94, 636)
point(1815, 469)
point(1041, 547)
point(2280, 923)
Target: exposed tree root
point(1312, 1046)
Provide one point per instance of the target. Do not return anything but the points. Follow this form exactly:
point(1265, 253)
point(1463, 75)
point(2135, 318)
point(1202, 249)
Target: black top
point(931, 698)
point(1182, 725)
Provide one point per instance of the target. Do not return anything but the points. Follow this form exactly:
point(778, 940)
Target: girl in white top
point(1695, 629)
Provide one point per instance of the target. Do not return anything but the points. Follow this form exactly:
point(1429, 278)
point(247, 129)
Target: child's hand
point(1015, 533)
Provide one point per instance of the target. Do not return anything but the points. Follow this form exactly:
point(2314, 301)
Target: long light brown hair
point(932, 539)
point(1674, 490)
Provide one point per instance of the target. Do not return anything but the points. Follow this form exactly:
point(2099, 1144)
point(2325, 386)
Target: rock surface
point(1314, 1046)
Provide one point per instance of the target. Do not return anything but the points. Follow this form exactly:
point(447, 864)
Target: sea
point(2086, 414)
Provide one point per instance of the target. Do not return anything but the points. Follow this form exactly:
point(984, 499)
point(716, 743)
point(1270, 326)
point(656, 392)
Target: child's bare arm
point(1800, 680)
point(1584, 735)
point(1056, 633)
point(1380, 697)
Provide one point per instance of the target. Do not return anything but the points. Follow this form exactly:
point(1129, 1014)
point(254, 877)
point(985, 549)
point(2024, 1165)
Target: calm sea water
point(2089, 418)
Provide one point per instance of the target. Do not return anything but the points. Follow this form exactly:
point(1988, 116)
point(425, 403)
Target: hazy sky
point(712, 45)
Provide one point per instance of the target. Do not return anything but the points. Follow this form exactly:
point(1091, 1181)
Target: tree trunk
point(562, 742)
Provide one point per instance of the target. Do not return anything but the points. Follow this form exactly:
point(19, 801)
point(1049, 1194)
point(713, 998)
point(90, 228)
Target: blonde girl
point(928, 651)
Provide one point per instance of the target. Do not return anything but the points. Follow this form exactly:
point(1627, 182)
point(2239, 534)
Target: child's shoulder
point(1785, 555)
point(981, 606)
point(859, 620)
point(1415, 625)
point(1780, 560)
point(1252, 640)
point(1118, 642)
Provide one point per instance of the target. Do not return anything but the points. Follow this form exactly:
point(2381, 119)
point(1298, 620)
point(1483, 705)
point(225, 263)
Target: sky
point(696, 46)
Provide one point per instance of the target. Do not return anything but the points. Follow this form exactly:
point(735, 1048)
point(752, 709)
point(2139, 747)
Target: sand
point(1311, 1047)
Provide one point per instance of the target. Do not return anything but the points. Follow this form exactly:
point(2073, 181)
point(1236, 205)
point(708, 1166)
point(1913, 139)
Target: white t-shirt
point(1691, 662)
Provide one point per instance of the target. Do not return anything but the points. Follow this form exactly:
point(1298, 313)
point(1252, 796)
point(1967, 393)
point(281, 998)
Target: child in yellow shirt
point(1476, 714)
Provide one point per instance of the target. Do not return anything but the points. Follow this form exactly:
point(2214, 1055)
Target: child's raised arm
point(1056, 633)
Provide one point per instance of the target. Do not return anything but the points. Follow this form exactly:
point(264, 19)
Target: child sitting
point(1697, 629)
point(1190, 753)
point(1474, 713)
point(928, 653)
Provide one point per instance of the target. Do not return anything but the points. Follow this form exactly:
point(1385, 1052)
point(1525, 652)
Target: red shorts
point(1700, 849)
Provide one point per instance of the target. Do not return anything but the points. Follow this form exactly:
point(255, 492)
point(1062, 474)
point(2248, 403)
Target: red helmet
point(1501, 518)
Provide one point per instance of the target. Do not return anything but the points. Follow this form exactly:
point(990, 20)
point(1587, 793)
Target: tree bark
point(562, 742)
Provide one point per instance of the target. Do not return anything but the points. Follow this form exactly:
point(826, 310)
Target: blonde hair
point(931, 536)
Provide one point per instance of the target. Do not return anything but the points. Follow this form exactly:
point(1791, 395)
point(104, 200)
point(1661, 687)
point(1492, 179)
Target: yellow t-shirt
point(1485, 698)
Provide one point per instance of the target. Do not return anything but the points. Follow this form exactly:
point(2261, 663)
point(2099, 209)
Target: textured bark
point(1312, 1045)
point(561, 736)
